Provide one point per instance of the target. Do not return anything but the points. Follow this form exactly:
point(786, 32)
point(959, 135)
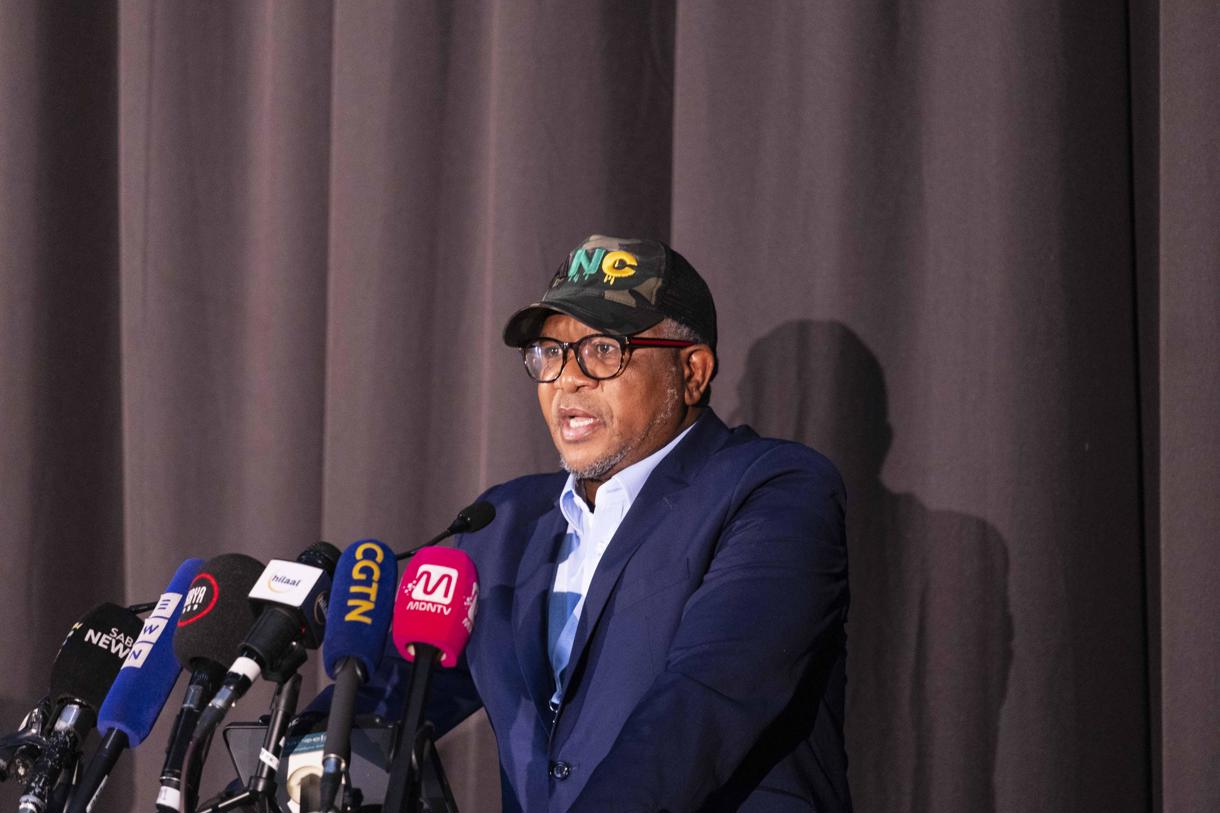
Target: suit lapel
point(535, 575)
point(659, 496)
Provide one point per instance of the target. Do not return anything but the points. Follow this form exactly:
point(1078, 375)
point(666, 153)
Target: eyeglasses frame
point(626, 345)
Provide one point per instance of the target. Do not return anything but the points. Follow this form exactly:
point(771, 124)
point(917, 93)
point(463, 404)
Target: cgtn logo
point(366, 569)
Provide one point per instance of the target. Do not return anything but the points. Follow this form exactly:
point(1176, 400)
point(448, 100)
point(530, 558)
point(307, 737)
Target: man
point(662, 626)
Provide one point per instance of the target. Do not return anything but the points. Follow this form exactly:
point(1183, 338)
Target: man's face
point(602, 427)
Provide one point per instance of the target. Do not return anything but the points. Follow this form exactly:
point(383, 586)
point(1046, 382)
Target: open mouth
point(576, 425)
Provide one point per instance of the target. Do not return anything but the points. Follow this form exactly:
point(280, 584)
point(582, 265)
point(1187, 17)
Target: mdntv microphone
point(143, 685)
point(357, 624)
point(473, 517)
point(215, 616)
point(87, 664)
point(293, 598)
point(433, 617)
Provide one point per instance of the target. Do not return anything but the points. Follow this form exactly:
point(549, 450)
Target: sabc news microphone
point(357, 624)
point(143, 685)
point(433, 617)
point(215, 616)
point(88, 662)
point(293, 599)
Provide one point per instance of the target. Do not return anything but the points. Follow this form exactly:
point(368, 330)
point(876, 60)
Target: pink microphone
point(433, 616)
point(436, 604)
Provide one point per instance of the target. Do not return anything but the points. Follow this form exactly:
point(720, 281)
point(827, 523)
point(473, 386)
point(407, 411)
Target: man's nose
point(571, 376)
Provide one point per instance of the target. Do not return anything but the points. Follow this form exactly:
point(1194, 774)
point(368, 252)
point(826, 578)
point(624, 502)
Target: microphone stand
point(421, 764)
point(62, 794)
point(435, 796)
point(259, 792)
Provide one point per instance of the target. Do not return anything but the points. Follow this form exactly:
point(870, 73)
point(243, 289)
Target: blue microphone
point(140, 690)
point(357, 624)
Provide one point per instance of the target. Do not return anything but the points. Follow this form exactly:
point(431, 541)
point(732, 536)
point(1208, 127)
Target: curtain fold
point(61, 484)
point(256, 258)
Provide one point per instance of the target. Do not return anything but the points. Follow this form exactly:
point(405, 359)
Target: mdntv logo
point(435, 583)
point(612, 264)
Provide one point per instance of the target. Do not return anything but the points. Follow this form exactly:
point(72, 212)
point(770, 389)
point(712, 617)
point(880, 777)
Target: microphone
point(474, 517)
point(215, 614)
point(357, 622)
point(293, 599)
point(140, 690)
point(87, 663)
point(433, 618)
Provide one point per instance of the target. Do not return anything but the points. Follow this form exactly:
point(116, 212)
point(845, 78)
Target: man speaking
point(661, 628)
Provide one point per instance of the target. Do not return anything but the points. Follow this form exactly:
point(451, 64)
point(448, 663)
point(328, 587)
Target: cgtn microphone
point(140, 690)
point(433, 617)
point(86, 666)
point(357, 624)
point(293, 598)
point(215, 616)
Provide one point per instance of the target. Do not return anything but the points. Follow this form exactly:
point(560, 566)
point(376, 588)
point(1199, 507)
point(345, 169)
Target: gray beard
point(599, 468)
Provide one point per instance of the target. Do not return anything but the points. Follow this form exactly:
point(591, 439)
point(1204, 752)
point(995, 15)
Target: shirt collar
point(630, 481)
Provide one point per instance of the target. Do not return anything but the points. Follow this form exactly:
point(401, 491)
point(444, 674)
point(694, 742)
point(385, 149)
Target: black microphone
point(143, 684)
point(357, 624)
point(216, 612)
point(293, 598)
point(86, 666)
point(473, 517)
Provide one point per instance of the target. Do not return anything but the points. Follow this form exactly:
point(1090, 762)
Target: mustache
point(574, 406)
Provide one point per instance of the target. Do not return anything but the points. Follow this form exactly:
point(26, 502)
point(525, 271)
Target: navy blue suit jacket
point(708, 667)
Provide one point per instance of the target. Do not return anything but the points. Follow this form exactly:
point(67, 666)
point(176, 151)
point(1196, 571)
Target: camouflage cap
point(622, 286)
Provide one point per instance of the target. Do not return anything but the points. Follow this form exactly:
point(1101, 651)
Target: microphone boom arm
point(261, 788)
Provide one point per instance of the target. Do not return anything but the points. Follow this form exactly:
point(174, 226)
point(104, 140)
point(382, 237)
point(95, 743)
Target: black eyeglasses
point(600, 356)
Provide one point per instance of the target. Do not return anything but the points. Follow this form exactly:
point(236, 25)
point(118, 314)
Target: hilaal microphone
point(292, 597)
point(357, 625)
point(434, 614)
point(216, 613)
point(143, 684)
point(87, 664)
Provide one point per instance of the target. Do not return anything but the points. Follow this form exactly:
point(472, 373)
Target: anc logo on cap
point(611, 264)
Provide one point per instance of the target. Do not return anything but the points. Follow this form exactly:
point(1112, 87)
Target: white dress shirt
point(589, 533)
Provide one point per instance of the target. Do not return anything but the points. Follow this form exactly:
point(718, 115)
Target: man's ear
point(698, 364)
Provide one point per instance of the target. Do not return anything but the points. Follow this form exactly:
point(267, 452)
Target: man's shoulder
point(745, 453)
point(530, 494)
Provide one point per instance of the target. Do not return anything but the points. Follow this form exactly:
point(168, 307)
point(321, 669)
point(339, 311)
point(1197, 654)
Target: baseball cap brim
point(622, 320)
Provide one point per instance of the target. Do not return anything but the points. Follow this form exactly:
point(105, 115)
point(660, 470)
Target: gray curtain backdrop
point(256, 256)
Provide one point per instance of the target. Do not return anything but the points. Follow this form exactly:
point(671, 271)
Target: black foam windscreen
point(92, 654)
point(322, 555)
point(217, 612)
point(474, 517)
